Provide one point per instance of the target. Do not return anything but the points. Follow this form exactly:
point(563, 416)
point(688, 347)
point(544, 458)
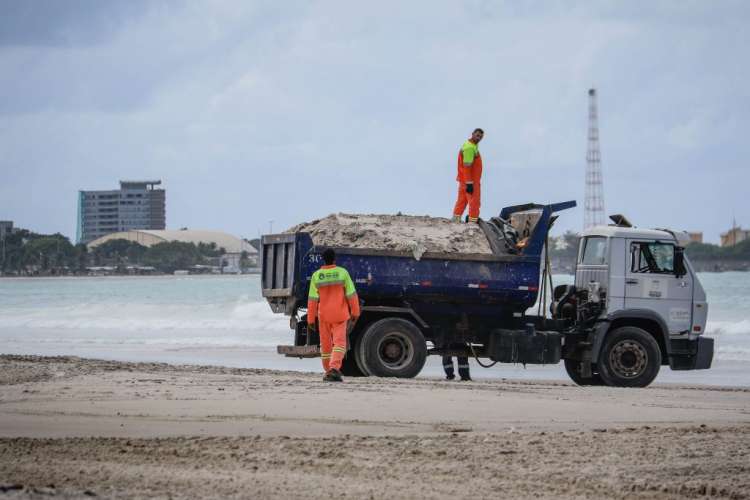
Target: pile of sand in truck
point(415, 234)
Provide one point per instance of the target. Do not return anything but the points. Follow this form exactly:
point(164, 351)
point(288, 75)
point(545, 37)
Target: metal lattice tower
point(594, 204)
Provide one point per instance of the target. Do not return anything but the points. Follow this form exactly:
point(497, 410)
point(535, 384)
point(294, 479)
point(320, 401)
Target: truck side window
point(652, 257)
point(594, 250)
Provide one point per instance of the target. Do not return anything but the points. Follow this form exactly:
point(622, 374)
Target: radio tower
point(594, 205)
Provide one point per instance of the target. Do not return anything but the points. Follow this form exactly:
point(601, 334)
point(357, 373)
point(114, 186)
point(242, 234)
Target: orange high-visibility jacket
point(332, 295)
point(469, 164)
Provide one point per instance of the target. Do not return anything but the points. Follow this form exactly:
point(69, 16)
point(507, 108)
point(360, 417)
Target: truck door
point(651, 283)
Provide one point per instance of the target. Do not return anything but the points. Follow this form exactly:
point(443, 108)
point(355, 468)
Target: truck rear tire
point(349, 366)
point(392, 347)
point(630, 357)
point(358, 355)
point(573, 368)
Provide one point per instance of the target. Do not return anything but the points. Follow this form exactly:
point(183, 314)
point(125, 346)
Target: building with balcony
point(136, 205)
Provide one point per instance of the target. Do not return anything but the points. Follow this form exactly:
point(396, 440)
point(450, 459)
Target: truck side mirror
point(679, 262)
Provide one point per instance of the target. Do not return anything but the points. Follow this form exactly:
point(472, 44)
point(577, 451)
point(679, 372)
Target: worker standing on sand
point(469, 178)
point(333, 301)
point(463, 367)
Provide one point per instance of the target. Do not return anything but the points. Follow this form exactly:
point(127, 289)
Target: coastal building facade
point(734, 236)
point(136, 205)
point(695, 236)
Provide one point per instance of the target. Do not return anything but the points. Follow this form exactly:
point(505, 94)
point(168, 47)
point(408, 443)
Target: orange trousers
point(473, 200)
point(332, 344)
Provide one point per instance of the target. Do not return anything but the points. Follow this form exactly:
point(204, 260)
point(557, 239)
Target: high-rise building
point(136, 205)
point(6, 227)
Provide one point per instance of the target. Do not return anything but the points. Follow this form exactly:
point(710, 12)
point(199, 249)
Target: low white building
point(233, 246)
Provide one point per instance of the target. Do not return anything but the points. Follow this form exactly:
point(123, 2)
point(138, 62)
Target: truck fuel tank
point(529, 346)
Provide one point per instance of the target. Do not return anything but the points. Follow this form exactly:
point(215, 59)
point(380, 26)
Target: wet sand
point(73, 428)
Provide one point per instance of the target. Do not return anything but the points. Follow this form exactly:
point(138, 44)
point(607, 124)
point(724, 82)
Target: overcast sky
point(287, 111)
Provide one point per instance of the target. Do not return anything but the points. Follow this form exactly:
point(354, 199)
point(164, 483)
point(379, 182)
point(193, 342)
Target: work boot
point(465, 378)
point(463, 368)
point(448, 368)
point(333, 375)
point(456, 218)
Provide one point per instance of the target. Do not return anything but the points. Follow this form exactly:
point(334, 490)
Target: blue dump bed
point(464, 281)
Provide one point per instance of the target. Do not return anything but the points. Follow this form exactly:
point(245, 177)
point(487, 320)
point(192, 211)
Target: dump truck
point(636, 304)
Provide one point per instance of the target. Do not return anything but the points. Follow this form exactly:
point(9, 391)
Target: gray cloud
point(64, 23)
point(249, 111)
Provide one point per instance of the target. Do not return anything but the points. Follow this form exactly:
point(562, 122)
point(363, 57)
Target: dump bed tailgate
point(278, 261)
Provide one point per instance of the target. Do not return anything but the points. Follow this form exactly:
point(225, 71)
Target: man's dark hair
point(329, 257)
point(478, 130)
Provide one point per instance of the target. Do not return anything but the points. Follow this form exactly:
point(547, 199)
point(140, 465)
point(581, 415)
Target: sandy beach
point(73, 427)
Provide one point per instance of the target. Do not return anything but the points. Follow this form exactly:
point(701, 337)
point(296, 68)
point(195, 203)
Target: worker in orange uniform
point(469, 178)
point(333, 301)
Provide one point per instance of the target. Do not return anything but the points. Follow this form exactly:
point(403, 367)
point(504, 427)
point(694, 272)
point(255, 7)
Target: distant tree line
point(22, 249)
point(23, 252)
point(706, 251)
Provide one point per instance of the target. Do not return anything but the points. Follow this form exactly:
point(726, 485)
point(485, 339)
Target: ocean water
point(222, 320)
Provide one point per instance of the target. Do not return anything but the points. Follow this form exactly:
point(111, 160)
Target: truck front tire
point(392, 347)
point(630, 357)
point(573, 367)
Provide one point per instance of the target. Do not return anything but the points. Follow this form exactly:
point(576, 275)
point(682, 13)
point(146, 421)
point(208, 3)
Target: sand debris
point(413, 234)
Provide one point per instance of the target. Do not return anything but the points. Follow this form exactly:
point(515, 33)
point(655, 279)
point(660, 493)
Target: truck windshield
point(594, 249)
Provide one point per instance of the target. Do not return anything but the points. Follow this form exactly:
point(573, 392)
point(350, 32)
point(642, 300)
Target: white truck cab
point(652, 307)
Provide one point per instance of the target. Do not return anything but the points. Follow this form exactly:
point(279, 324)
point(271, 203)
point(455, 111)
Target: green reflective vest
point(329, 277)
point(469, 151)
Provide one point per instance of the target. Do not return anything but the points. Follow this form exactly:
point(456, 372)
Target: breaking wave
point(242, 314)
point(732, 339)
point(220, 312)
point(729, 328)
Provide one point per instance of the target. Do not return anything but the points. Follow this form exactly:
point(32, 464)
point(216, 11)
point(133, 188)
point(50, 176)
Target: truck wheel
point(630, 358)
point(358, 355)
point(393, 347)
point(573, 368)
point(350, 367)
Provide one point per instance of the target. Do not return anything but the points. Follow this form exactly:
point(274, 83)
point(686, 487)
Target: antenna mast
point(594, 204)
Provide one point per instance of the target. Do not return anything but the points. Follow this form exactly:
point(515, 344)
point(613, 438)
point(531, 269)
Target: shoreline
point(69, 426)
point(724, 373)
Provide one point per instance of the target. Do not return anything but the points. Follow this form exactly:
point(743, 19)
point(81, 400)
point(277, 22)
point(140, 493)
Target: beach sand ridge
point(73, 427)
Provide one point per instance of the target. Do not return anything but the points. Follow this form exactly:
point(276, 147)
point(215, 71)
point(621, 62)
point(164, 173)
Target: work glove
point(350, 324)
point(470, 188)
point(312, 327)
